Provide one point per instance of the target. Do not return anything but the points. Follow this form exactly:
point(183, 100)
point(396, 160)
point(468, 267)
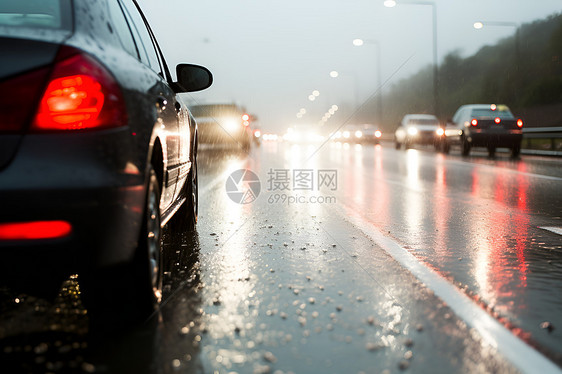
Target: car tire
point(127, 294)
point(150, 253)
point(516, 151)
point(465, 147)
point(445, 147)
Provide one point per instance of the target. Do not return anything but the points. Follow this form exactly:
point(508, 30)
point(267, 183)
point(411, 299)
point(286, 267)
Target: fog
point(269, 56)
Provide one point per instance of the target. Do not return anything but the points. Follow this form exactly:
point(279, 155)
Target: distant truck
point(223, 124)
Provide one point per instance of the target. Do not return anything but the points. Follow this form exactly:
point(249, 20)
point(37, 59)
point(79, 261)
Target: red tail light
point(81, 94)
point(520, 123)
point(474, 122)
point(34, 230)
point(497, 120)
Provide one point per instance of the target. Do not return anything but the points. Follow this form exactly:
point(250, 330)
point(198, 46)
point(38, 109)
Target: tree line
point(523, 71)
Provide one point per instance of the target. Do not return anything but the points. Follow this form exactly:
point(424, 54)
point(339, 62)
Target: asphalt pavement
point(338, 258)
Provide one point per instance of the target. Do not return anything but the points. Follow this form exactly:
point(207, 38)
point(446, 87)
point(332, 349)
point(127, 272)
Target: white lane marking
point(517, 352)
point(556, 230)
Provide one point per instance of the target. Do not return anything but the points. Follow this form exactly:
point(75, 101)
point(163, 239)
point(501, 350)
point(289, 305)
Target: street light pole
point(479, 25)
point(393, 3)
point(359, 43)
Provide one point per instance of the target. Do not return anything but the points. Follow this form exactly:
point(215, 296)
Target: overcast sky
point(269, 55)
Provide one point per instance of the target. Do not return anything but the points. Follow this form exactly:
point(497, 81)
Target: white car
point(418, 129)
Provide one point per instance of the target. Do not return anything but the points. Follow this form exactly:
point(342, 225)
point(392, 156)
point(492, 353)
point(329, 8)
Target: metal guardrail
point(539, 131)
point(551, 133)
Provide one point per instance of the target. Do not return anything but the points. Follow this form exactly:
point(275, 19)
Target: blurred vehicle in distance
point(361, 134)
point(484, 125)
point(223, 125)
point(303, 134)
point(267, 137)
point(257, 136)
point(421, 129)
point(97, 152)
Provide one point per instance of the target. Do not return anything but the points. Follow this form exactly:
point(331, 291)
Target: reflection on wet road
point(289, 284)
point(479, 223)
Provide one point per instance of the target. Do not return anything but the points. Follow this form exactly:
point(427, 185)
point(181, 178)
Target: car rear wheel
point(151, 244)
point(128, 294)
point(516, 151)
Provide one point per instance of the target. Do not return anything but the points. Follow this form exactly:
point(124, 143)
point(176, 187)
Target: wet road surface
point(299, 281)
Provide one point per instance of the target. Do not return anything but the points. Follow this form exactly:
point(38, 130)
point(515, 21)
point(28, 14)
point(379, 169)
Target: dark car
point(97, 151)
point(484, 125)
point(421, 129)
point(223, 125)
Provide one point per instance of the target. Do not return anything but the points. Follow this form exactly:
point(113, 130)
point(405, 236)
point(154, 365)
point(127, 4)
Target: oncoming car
point(223, 124)
point(418, 129)
point(484, 125)
point(305, 133)
point(362, 134)
point(98, 152)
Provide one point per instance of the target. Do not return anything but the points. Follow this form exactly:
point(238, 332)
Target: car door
point(185, 153)
point(163, 98)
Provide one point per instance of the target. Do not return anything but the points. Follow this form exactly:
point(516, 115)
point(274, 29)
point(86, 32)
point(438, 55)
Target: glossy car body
point(417, 129)
point(484, 125)
point(223, 124)
point(98, 150)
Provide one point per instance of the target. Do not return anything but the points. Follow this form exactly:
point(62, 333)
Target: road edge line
point(517, 352)
point(556, 230)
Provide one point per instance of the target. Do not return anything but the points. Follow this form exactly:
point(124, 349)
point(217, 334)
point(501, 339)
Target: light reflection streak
point(414, 201)
point(235, 263)
point(233, 259)
point(500, 237)
point(441, 209)
point(522, 225)
point(358, 177)
point(378, 195)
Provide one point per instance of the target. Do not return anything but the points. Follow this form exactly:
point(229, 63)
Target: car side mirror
point(193, 78)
